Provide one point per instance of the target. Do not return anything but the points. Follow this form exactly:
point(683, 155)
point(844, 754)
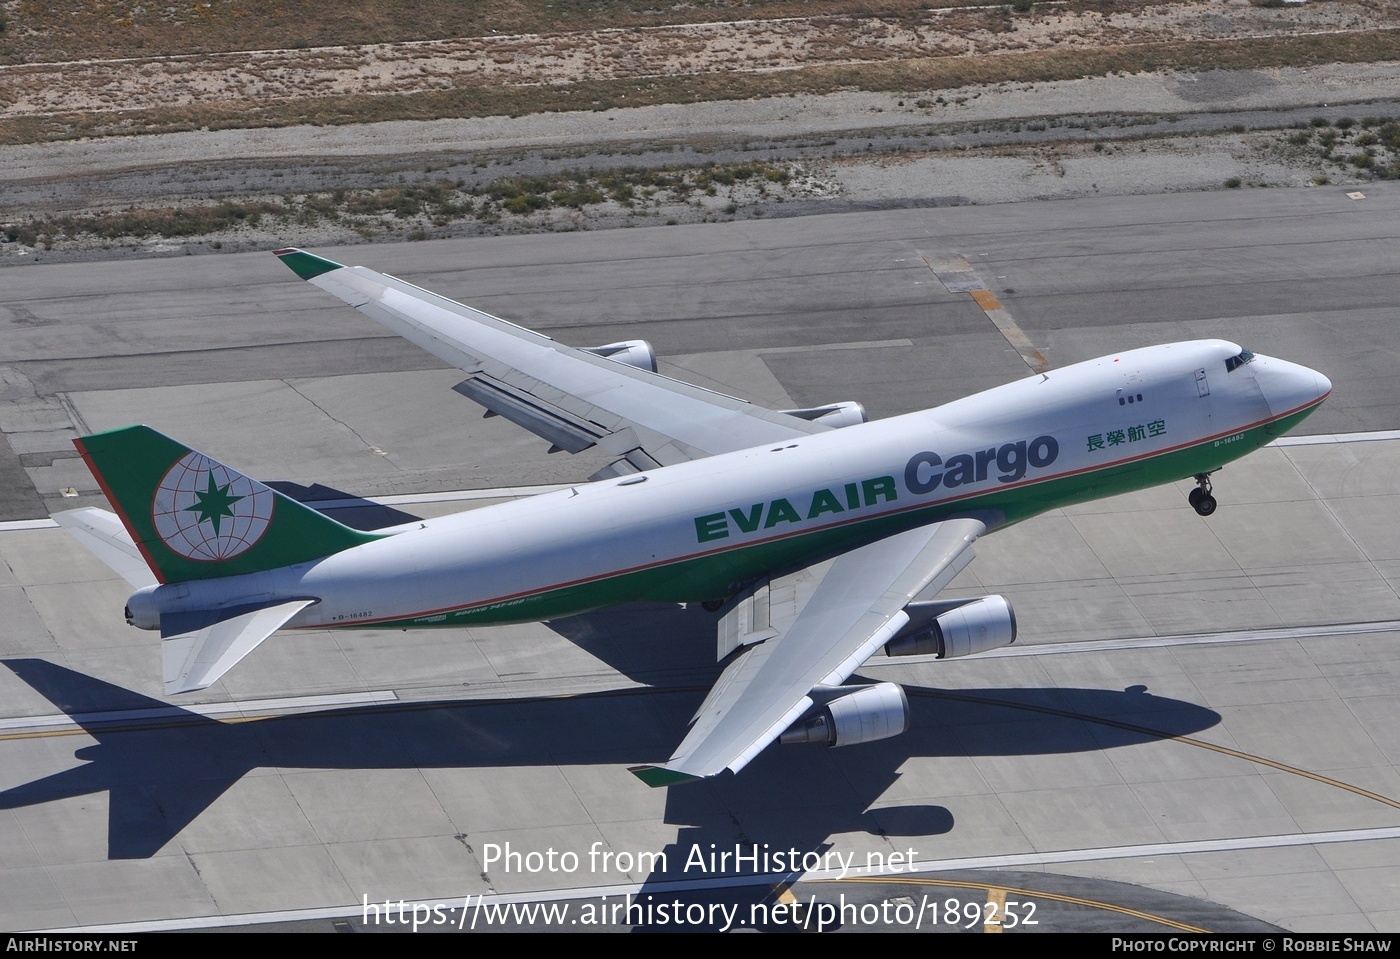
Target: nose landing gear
point(1200, 498)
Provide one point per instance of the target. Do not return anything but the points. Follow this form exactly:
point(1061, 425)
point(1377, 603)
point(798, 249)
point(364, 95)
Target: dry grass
point(48, 31)
point(422, 210)
point(1371, 143)
point(919, 74)
point(646, 57)
point(169, 222)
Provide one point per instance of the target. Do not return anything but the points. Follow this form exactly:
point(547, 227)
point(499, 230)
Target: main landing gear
point(1200, 499)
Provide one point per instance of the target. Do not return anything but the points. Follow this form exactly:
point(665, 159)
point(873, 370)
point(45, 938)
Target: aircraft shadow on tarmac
point(163, 772)
point(354, 511)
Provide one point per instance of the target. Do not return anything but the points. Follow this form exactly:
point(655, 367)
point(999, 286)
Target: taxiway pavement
point(1205, 708)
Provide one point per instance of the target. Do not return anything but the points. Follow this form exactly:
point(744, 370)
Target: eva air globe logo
point(205, 511)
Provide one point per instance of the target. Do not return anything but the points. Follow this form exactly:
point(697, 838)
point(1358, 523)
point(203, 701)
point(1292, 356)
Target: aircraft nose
point(1289, 387)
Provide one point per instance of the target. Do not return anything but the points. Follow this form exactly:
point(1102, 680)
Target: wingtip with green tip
point(306, 265)
point(661, 776)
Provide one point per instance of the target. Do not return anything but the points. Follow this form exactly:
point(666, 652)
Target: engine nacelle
point(636, 353)
point(950, 630)
point(146, 606)
point(142, 610)
point(837, 415)
point(863, 715)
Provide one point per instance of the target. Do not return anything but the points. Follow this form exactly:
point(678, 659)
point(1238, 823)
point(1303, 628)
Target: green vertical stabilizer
point(194, 518)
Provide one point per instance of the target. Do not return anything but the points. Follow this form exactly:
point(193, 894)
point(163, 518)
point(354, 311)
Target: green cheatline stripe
point(307, 265)
point(709, 576)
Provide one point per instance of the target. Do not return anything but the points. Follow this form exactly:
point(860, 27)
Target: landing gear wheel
point(712, 605)
point(1200, 498)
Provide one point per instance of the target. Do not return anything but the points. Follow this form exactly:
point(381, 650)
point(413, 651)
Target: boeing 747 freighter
point(817, 537)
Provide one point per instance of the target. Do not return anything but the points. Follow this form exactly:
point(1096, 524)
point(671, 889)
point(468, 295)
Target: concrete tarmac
point(1199, 712)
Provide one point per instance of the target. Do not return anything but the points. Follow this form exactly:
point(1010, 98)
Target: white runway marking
point(211, 710)
point(1093, 854)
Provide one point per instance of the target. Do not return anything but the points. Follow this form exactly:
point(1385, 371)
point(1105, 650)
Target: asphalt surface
point(1201, 712)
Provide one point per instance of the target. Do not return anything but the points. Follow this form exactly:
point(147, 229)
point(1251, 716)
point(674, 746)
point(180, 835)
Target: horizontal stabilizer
point(199, 647)
point(106, 538)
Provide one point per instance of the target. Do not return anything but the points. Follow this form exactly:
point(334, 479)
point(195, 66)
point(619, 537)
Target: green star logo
point(213, 503)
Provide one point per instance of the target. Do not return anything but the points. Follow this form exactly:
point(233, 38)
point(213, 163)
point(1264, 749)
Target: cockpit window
point(1235, 362)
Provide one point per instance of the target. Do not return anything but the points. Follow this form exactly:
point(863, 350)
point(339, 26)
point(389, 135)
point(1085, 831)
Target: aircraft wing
point(805, 632)
point(572, 397)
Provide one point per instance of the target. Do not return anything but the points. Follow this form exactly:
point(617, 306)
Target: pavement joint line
point(1319, 439)
point(823, 347)
point(1327, 506)
point(211, 710)
point(1012, 860)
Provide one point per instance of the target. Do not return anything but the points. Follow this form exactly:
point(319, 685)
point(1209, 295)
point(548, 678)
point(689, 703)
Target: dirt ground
point(255, 77)
point(1149, 131)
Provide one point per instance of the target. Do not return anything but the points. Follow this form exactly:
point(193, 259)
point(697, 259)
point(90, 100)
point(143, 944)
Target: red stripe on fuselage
point(816, 529)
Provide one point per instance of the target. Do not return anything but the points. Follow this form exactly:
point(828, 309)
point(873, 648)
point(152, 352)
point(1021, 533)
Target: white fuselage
point(697, 530)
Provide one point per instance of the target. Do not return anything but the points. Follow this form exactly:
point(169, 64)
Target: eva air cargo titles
point(924, 473)
point(817, 538)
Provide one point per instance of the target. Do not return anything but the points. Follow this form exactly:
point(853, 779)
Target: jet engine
point(861, 715)
point(959, 628)
point(142, 610)
point(636, 353)
point(847, 413)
